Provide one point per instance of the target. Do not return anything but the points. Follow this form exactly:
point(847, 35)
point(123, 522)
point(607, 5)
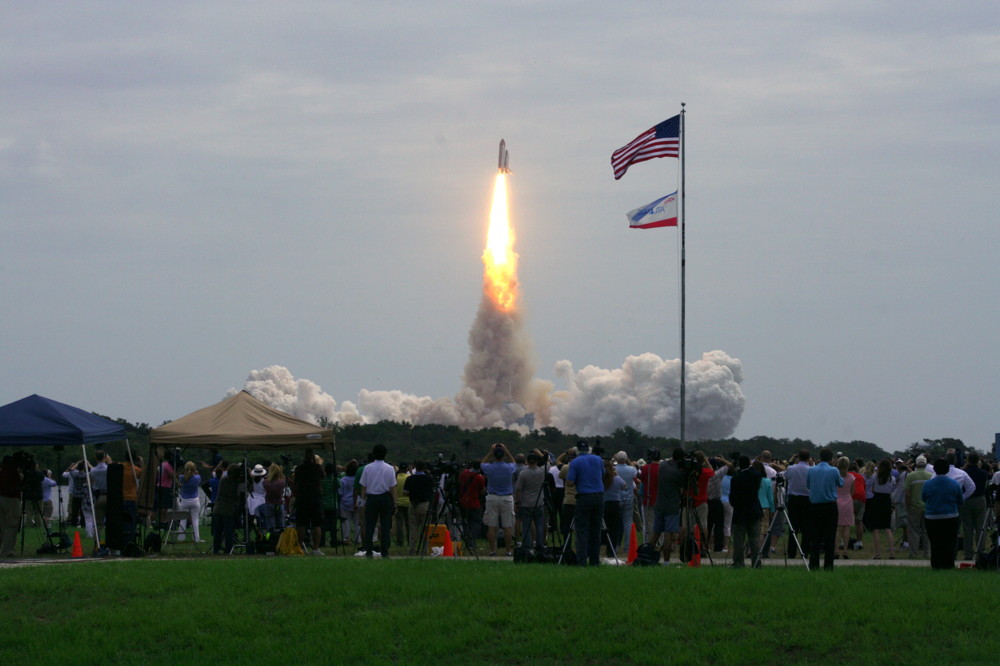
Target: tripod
point(988, 520)
point(571, 533)
point(446, 508)
point(781, 513)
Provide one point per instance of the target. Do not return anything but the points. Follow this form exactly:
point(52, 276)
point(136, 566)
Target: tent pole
point(90, 492)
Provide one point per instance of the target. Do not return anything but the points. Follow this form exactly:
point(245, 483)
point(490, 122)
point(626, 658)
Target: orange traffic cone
point(633, 547)
point(696, 556)
point(77, 546)
point(449, 550)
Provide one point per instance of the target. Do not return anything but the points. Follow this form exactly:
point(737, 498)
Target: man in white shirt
point(378, 487)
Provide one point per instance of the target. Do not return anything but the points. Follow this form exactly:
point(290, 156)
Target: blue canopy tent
point(40, 421)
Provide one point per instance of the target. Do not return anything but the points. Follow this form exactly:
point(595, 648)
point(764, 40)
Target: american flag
point(663, 140)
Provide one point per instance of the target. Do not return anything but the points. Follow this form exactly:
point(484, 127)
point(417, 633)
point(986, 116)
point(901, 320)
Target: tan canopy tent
point(241, 422)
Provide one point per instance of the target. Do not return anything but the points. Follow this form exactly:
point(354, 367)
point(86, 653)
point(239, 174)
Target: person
point(845, 505)
point(649, 479)
point(529, 501)
point(350, 532)
point(330, 487)
point(716, 510)
point(586, 472)
point(558, 492)
point(273, 509)
point(309, 502)
point(48, 483)
point(224, 511)
point(765, 495)
point(697, 493)
point(797, 502)
point(401, 521)
point(190, 485)
point(255, 496)
point(744, 496)
point(418, 488)
point(943, 498)
point(973, 512)
point(75, 475)
point(569, 494)
point(859, 498)
point(131, 473)
point(471, 485)
point(378, 486)
point(667, 510)
point(498, 467)
point(916, 531)
point(879, 508)
point(822, 481)
point(614, 486)
point(629, 474)
point(163, 500)
point(99, 486)
point(10, 506)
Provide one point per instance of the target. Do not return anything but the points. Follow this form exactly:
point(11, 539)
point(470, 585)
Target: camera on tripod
point(689, 464)
point(439, 466)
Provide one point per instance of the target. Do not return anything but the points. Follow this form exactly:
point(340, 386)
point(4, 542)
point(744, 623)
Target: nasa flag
point(660, 213)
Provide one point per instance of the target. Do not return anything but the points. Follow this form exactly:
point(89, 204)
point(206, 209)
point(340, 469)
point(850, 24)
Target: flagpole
point(683, 285)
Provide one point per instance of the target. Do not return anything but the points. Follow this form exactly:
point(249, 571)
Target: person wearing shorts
point(498, 467)
point(667, 510)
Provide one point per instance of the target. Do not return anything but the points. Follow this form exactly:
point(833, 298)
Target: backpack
point(646, 555)
point(288, 543)
point(153, 543)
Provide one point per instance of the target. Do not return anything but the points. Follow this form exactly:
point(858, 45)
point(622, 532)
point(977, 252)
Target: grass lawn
point(352, 610)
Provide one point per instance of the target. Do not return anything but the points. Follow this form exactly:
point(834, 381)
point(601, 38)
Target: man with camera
point(419, 489)
point(10, 506)
point(498, 467)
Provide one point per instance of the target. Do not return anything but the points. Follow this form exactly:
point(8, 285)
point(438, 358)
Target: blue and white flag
point(660, 213)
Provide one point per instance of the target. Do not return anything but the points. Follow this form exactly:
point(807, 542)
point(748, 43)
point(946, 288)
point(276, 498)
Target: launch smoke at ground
point(500, 386)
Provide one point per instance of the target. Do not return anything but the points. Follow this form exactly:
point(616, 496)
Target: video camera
point(439, 466)
point(690, 464)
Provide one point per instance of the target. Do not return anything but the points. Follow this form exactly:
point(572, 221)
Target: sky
point(191, 192)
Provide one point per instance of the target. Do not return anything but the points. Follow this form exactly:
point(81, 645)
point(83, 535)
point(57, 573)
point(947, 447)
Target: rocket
point(502, 159)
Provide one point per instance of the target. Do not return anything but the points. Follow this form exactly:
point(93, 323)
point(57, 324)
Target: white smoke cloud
point(644, 394)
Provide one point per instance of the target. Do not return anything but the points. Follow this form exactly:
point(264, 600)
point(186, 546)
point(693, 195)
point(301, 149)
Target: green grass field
point(352, 610)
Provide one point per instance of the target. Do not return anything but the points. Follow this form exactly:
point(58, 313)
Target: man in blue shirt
point(586, 472)
point(822, 482)
point(498, 467)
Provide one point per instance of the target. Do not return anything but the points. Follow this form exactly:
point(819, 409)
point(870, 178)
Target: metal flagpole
point(683, 285)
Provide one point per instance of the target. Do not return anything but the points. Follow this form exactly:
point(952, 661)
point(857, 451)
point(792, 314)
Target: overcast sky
point(192, 191)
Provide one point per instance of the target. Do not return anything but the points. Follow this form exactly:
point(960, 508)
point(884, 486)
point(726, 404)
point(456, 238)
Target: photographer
point(529, 500)
point(419, 489)
point(10, 506)
point(498, 467)
point(77, 479)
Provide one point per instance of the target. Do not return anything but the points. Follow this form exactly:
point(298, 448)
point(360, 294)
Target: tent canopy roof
point(39, 421)
point(241, 422)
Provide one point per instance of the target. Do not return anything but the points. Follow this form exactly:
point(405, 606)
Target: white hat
point(921, 461)
point(258, 470)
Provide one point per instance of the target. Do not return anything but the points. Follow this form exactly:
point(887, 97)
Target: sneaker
point(317, 551)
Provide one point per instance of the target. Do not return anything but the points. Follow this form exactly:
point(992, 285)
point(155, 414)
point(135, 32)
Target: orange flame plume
point(499, 258)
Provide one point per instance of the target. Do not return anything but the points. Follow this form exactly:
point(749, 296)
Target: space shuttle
point(502, 159)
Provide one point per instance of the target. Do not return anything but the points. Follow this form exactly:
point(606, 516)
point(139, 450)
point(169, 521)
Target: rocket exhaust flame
point(499, 258)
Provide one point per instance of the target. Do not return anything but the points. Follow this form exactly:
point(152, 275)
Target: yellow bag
point(288, 542)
